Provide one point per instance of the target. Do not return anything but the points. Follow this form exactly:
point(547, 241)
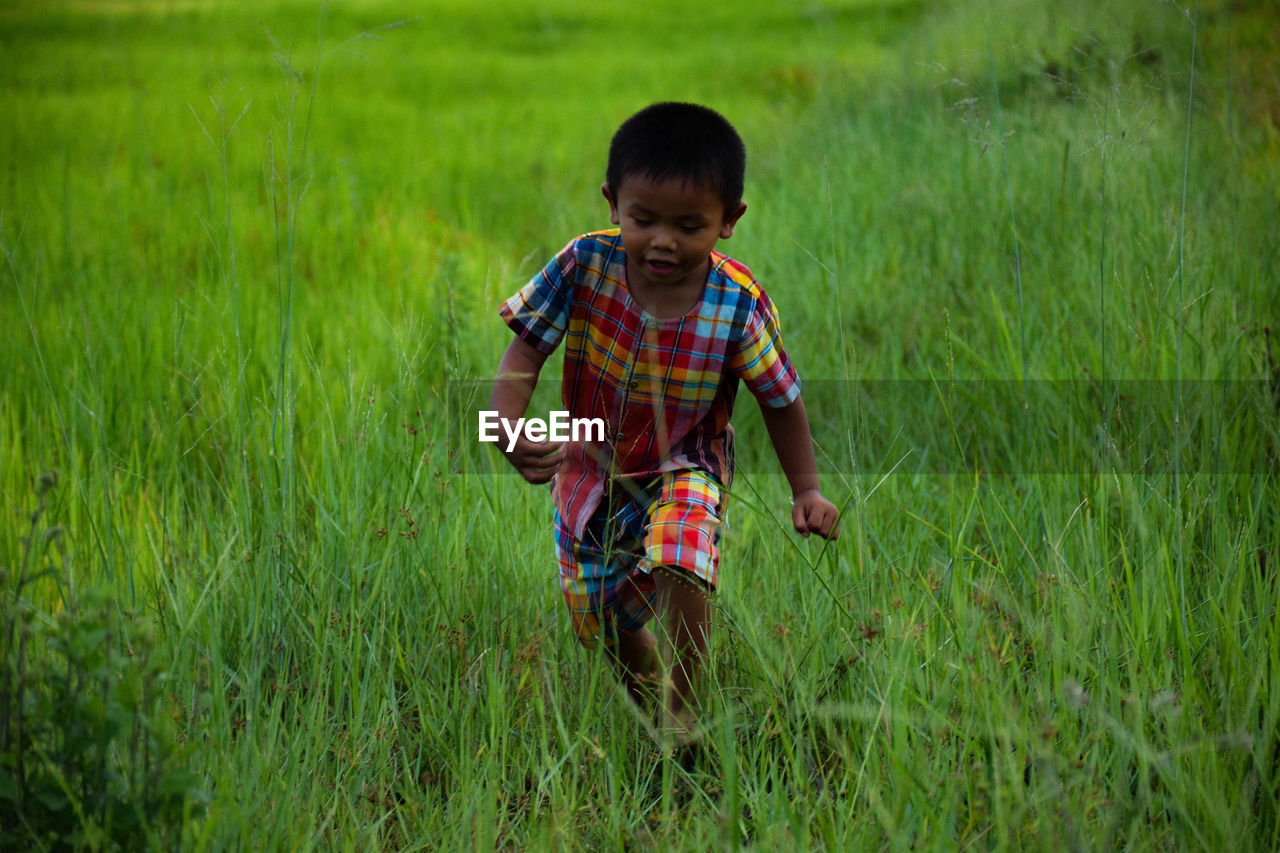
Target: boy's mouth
point(660, 267)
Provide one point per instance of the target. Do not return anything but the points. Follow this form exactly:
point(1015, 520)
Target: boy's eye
point(691, 229)
point(643, 223)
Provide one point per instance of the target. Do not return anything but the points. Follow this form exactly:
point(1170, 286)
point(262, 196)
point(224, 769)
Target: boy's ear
point(613, 206)
point(731, 221)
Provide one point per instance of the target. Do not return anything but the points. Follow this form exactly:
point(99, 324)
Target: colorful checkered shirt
point(664, 387)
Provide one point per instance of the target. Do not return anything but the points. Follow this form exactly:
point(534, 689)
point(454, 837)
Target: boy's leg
point(682, 556)
point(684, 605)
point(637, 661)
point(681, 550)
point(680, 529)
point(614, 616)
point(609, 602)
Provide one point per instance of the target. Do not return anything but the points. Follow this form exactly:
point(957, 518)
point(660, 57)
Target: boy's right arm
point(518, 370)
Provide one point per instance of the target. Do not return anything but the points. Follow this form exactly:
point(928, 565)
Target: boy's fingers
point(537, 478)
point(799, 519)
point(819, 519)
point(546, 454)
point(820, 523)
point(832, 523)
point(538, 469)
point(537, 461)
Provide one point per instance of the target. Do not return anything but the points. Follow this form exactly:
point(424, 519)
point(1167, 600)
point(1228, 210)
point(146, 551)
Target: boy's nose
point(663, 238)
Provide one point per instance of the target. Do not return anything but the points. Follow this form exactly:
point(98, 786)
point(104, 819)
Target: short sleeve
point(539, 312)
point(760, 361)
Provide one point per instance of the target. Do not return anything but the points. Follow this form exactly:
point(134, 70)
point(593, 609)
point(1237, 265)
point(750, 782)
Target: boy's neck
point(666, 301)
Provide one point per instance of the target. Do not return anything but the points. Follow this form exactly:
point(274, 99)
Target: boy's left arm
point(788, 428)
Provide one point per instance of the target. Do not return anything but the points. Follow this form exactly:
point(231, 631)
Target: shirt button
point(651, 323)
point(633, 383)
point(618, 438)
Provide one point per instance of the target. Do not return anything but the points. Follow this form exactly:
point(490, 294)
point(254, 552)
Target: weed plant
point(86, 758)
point(1024, 255)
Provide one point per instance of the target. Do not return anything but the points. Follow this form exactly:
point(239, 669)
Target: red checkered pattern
point(605, 575)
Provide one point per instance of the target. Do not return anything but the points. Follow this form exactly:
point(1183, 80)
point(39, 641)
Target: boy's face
point(669, 229)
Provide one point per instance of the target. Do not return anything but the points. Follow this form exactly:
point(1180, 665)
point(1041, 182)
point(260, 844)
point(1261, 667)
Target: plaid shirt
point(664, 387)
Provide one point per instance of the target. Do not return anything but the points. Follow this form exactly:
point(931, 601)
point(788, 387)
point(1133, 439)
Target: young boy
point(658, 329)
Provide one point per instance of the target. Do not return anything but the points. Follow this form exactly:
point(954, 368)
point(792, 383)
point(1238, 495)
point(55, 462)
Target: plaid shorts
point(673, 520)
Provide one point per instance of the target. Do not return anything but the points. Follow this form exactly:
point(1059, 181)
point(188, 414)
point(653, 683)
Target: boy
point(658, 329)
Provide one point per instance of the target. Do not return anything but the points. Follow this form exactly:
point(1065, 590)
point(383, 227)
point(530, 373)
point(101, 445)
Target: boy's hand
point(812, 513)
point(537, 461)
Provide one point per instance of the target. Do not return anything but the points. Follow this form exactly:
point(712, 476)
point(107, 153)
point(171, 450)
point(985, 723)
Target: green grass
point(252, 257)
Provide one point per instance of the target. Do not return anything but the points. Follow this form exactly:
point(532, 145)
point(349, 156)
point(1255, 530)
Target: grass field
point(263, 589)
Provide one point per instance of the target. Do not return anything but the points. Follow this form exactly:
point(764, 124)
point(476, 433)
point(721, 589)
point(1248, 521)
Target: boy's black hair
point(683, 142)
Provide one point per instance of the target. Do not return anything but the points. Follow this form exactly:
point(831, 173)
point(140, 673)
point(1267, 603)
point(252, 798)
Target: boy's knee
point(590, 632)
point(679, 579)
